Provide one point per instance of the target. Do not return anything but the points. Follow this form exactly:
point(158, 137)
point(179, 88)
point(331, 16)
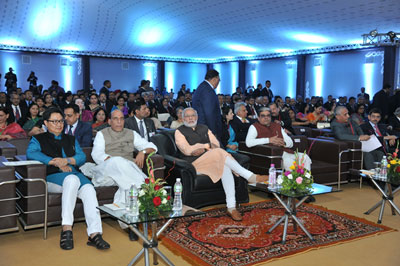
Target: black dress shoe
point(132, 235)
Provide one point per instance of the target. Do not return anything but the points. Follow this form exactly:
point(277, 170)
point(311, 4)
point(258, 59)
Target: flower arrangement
point(394, 164)
point(298, 179)
point(153, 198)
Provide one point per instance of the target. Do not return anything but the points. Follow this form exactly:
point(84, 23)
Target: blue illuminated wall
point(124, 74)
point(344, 73)
point(229, 74)
point(281, 72)
point(190, 74)
point(47, 67)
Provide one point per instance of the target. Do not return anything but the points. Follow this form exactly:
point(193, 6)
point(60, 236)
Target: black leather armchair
point(198, 190)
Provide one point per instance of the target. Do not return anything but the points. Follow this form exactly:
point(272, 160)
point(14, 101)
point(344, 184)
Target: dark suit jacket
point(369, 130)
point(343, 131)
point(267, 92)
point(395, 123)
point(285, 120)
point(109, 106)
point(105, 90)
point(132, 124)
point(240, 128)
point(23, 115)
point(381, 101)
point(83, 134)
point(205, 102)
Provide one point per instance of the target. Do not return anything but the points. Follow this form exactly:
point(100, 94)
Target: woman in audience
point(8, 129)
point(93, 105)
point(99, 120)
point(40, 103)
point(296, 121)
point(164, 107)
point(121, 105)
point(359, 116)
point(179, 122)
point(85, 115)
point(317, 115)
point(33, 117)
point(228, 134)
point(48, 101)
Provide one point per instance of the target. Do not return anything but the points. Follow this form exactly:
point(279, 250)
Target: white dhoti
point(289, 158)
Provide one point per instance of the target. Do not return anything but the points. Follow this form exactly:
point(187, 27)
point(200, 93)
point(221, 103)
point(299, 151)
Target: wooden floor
point(28, 248)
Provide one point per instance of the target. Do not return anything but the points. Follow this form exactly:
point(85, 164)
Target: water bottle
point(272, 176)
point(384, 164)
point(133, 201)
point(177, 206)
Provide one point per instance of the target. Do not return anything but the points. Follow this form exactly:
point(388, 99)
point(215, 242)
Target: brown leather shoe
point(235, 215)
point(262, 178)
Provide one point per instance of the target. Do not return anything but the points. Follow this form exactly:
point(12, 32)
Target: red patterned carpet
point(215, 239)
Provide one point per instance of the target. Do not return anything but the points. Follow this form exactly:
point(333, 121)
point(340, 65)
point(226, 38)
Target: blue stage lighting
point(283, 50)
point(150, 36)
point(239, 47)
point(11, 41)
point(309, 38)
point(47, 21)
point(70, 48)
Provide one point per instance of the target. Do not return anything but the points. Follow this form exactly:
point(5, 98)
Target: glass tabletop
point(393, 180)
point(128, 218)
point(317, 189)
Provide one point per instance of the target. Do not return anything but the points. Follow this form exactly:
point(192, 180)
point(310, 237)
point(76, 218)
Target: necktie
point(244, 120)
point(377, 131)
point(17, 114)
point(141, 129)
point(70, 131)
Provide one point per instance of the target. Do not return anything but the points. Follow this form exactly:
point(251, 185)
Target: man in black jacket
point(139, 122)
point(240, 122)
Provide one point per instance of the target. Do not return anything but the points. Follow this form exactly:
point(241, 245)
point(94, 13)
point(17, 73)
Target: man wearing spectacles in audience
point(62, 155)
point(80, 130)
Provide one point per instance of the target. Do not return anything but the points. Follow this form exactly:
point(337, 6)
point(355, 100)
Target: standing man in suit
point(139, 122)
point(381, 101)
point(11, 80)
point(106, 87)
point(374, 128)
point(80, 130)
point(267, 91)
point(17, 110)
point(205, 102)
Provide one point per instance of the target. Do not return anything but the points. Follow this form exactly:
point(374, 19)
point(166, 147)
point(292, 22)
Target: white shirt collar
point(138, 120)
point(209, 83)
point(74, 125)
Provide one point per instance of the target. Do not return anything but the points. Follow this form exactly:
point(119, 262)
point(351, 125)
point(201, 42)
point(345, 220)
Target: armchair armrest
point(7, 150)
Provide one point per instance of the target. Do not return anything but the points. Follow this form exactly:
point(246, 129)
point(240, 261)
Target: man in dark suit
point(240, 123)
point(105, 103)
point(139, 122)
point(3, 100)
point(345, 129)
point(381, 100)
point(205, 102)
point(106, 87)
point(394, 122)
point(281, 118)
point(80, 130)
point(17, 111)
point(363, 94)
point(374, 128)
point(267, 91)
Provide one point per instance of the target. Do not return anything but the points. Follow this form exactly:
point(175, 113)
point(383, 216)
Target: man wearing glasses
point(62, 155)
point(266, 132)
point(74, 127)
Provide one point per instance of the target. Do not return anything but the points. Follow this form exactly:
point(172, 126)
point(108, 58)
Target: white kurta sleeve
point(99, 149)
point(288, 140)
point(140, 143)
point(252, 140)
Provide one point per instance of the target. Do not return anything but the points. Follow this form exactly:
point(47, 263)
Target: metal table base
point(387, 195)
point(150, 243)
point(290, 212)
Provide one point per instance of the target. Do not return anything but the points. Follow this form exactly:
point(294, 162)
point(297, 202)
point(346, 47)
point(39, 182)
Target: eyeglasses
point(55, 122)
point(265, 116)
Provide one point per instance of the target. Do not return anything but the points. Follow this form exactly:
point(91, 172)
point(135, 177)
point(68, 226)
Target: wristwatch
point(144, 151)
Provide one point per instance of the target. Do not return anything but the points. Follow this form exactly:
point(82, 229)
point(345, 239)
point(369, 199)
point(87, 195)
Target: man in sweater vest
point(113, 153)
point(200, 147)
point(266, 132)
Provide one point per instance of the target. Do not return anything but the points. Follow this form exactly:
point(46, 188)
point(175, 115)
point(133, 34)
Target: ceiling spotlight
point(391, 35)
point(373, 33)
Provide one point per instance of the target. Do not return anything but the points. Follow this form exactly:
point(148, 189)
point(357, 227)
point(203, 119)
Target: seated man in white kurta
point(266, 132)
point(113, 153)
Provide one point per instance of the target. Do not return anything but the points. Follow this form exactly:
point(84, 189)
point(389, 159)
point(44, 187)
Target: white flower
point(308, 175)
point(138, 204)
point(290, 176)
point(164, 192)
point(279, 180)
point(141, 193)
point(164, 201)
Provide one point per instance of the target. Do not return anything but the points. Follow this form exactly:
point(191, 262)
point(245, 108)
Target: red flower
point(398, 169)
point(156, 187)
point(169, 197)
point(394, 155)
point(157, 201)
point(146, 180)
